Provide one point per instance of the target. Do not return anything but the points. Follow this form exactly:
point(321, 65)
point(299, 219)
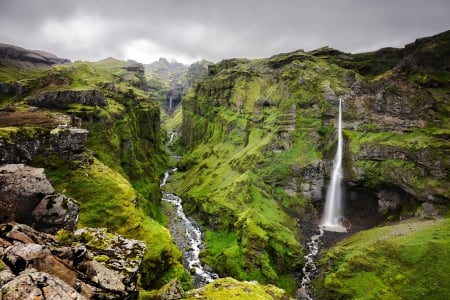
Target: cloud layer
point(215, 29)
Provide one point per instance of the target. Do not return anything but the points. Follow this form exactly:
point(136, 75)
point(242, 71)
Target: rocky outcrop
point(69, 143)
point(23, 58)
point(22, 144)
point(86, 264)
point(14, 88)
point(62, 99)
point(28, 197)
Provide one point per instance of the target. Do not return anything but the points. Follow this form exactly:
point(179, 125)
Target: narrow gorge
point(311, 175)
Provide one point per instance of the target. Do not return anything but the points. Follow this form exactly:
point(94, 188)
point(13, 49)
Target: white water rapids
point(188, 238)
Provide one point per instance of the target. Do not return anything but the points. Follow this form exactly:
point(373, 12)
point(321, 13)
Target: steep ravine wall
point(262, 132)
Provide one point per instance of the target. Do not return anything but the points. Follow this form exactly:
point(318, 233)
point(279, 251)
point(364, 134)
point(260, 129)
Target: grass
point(229, 288)
point(108, 200)
point(408, 260)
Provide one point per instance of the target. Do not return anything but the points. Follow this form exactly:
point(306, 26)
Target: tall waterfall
point(332, 217)
point(170, 103)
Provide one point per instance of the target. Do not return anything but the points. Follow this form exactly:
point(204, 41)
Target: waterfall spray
point(332, 217)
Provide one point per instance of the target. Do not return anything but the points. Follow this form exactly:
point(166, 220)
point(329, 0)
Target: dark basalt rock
point(62, 99)
point(68, 143)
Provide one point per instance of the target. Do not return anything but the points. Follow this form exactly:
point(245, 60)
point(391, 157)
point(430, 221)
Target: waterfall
point(188, 238)
point(332, 218)
point(172, 135)
point(170, 104)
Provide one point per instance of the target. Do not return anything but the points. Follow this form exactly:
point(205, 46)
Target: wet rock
point(62, 99)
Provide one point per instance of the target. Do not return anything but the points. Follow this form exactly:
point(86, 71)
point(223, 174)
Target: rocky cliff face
point(62, 99)
point(261, 133)
point(19, 145)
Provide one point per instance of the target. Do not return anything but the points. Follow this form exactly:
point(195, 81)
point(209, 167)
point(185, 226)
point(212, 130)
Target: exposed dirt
point(39, 119)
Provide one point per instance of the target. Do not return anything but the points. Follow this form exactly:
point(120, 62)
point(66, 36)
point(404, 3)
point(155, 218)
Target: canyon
point(253, 141)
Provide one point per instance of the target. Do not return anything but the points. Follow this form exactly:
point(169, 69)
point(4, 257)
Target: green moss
point(108, 200)
point(402, 261)
point(101, 258)
point(229, 288)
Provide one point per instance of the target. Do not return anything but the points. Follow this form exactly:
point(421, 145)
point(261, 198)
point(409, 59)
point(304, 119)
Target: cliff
point(260, 140)
point(97, 134)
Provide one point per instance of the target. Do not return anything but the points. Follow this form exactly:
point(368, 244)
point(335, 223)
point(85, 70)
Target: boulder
point(21, 189)
point(28, 197)
point(87, 264)
point(55, 212)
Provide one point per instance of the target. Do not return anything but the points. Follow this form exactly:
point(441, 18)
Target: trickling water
point(188, 237)
point(309, 269)
point(332, 218)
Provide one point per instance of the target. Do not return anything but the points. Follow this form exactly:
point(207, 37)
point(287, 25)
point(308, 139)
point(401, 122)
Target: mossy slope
point(260, 139)
point(117, 184)
point(409, 260)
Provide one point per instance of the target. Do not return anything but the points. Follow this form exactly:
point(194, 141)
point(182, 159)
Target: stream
point(188, 238)
point(309, 268)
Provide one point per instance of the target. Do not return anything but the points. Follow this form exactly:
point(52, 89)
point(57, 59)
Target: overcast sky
point(189, 30)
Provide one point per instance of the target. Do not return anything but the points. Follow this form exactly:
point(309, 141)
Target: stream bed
point(188, 237)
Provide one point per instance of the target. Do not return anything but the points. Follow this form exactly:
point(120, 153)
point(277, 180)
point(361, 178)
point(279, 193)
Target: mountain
point(260, 139)
point(254, 142)
point(18, 57)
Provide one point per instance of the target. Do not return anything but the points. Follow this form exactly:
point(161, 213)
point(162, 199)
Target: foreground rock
point(87, 264)
point(28, 197)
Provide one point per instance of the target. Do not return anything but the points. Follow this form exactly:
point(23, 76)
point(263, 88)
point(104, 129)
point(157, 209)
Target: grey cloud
point(214, 29)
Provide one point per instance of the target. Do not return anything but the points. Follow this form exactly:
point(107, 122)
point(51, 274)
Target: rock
point(38, 285)
point(21, 189)
point(62, 99)
point(170, 291)
point(55, 212)
point(431, 210)
point(68, 142)
point(23, 58)
point(75, 262)
point(28, 197)
point(13, 88)
point(388, 202)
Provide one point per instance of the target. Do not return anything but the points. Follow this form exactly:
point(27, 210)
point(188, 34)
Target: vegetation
point(259, 135)
point(257, 139)
point(408, 260)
